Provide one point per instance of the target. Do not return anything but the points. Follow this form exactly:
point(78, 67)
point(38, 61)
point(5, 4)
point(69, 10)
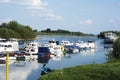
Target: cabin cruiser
point(57, 50)
point(89, 44)
point(9, 46)
point(31, 48)
point(66, 43)
point(79, 43)
point(72, 49)
point(54, 47)
point(110, 37)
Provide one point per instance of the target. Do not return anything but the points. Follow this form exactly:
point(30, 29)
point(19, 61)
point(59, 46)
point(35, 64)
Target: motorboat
point(72, 49)
point(44, 52)
point(89, 44)
point(79, 43)
point(9, 46)
point(57, 50)
point(31, 48)
point(66, 43)
point(110, 37)
point(54, 47)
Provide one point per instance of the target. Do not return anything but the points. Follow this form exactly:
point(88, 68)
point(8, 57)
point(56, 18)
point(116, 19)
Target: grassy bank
point(106, 71)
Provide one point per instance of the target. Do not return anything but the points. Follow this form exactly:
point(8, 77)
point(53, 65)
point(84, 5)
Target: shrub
point(116, 48)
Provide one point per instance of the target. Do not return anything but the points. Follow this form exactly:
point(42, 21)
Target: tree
point(48, 30)
point(4, 25)
point(116, 48)
point(12, 25)
point(8, 33)
point(16, 30)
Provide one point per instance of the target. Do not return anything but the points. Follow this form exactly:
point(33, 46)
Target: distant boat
point(110, 37)
point(54, 47)
point(72, 49)
point(9, 46)
point(66, 43)
point(89, 44)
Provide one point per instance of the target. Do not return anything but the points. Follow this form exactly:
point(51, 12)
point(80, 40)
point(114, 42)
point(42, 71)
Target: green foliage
point(48, 31)
point(116, 48)
point(106, 71)
point(16, 30)
point(8, 33)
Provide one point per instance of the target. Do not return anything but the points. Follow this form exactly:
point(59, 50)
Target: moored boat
point(110, 37)
point(9, 46)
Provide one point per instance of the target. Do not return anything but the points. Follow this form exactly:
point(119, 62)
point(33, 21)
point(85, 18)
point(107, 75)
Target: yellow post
point(7, 66)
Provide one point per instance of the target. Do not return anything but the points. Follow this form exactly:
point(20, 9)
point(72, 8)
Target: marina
point(30, 65)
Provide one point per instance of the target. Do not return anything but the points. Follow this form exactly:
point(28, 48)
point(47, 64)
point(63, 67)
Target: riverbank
point(105, 71)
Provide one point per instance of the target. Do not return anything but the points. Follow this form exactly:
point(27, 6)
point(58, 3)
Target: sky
point(87, 16)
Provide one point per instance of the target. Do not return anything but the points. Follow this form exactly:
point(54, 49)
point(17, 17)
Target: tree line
point(15, 30)
point(63, 32)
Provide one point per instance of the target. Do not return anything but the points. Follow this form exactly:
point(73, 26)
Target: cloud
point(36, 8)
point(86, 22)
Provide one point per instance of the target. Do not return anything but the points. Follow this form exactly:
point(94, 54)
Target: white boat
point(49, 44)
point(10, 58)
point(9, 46)
point(66, 43)
point(55, 49)
point(31, 48)
point(79, 43)
point(72, 49)
point(110, 37)
point(88, 44)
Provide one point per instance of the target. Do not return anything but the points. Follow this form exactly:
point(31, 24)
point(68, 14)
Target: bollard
point(7, 66)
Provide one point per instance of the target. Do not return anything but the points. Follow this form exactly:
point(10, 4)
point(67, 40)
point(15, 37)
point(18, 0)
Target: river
point(30, 69)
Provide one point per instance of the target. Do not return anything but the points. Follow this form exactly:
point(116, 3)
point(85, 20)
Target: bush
point(116, 48)
point(16, 30)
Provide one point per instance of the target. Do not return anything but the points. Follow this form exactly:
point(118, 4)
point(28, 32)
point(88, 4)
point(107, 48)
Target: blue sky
point(88, 16)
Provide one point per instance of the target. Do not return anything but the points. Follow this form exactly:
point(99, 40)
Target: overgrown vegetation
point(16, 30)
point(48, 31)
point(116, 48)
point(106, 71)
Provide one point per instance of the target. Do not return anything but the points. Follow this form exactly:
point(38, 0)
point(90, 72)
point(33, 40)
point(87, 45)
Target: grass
point(105, 71)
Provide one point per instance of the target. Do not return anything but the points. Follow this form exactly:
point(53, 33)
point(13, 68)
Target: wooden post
point(7, 66)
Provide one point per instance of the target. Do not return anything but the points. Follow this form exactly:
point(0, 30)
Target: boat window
point(5, 45)
point(9, 46)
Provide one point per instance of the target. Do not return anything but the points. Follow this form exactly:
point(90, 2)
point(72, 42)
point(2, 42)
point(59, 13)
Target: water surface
point(30, 70)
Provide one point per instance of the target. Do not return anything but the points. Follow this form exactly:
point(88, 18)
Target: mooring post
point(7, 66)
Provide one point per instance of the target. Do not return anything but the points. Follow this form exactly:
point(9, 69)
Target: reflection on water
point(31, 69)
point(108, 52)
point(43, 60)
point(88, 52)
point(18, 72)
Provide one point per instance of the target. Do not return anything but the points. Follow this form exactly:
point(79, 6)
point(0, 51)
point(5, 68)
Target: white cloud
point(36, 7)
point(87, 22)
